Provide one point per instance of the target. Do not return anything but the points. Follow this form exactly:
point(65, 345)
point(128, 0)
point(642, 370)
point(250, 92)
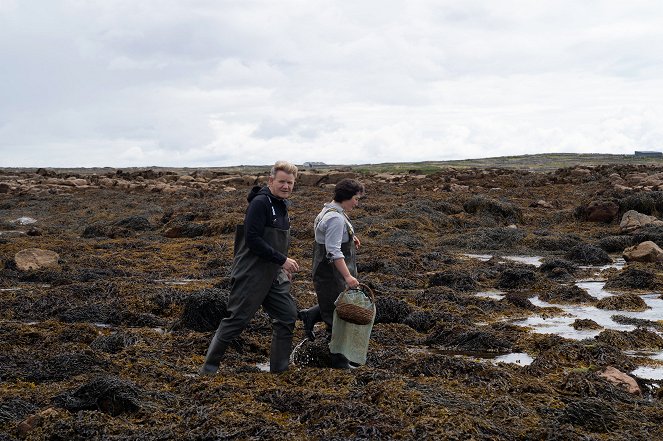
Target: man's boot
point(213, 358)
point(279, 355)
point(310, 317)
point(339, 361)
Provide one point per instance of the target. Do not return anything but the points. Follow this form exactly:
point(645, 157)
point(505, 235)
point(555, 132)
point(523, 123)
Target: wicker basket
point(356, 314)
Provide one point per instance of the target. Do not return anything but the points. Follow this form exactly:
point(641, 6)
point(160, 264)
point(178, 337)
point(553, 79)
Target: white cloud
point(203, 82)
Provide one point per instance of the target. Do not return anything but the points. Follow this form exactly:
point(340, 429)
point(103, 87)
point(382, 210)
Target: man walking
point(261, 272)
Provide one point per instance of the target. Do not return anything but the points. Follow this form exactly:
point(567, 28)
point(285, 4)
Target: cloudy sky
point(213, 82)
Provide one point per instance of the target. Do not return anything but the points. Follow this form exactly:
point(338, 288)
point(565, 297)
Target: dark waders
point(257, 282)
point(329, 283)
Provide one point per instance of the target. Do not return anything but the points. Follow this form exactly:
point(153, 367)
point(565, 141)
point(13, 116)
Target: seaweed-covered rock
point(516, 278)
point(420, 321)
point(15, 409)
point(591, 413)
point(637, 339)
point(615, 244)
point(391, 310)
point(498, 209)
point(640, 323)
point(460, 338)
point(455, 280)
point(204, 310)
point(110, 395)
point(588, 255)
point(633, 277)
point(567, 294)
point(581, 324)
point(558, 269)
point(623, 302)
point(113, 343)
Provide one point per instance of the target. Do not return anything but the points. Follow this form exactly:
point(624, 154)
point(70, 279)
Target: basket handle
point(368, 291)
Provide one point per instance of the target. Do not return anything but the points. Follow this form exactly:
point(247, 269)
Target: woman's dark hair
point(346, 188)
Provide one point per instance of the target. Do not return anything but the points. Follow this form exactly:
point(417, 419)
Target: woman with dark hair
point(334, 258)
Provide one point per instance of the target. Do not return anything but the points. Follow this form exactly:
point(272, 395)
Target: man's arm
point(257, 216)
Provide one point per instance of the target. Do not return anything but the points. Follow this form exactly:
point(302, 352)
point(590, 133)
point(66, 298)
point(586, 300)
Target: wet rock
point(177, 228)
point(555, 242)
point(36, 259)
point(621, 379)
point(640, 323)
point(489, 239)
point(519, 300)
point(136, 223)
point(588, 255)
point(567, 294)
point(644, 252)
point(632, 220)
point(623, 302)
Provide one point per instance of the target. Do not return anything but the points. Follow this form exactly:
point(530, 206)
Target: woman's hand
point(351, 281)
point(356, 240)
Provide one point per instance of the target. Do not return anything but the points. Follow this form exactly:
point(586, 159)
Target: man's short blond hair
point(284, 166)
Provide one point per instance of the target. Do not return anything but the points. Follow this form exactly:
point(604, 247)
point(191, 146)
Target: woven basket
point(356, 314)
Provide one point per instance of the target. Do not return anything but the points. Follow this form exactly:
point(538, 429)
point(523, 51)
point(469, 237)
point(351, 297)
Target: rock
point(309, 178)
point(602, 211)
point(4, 188)
point(541, 204)
point(186, 178)
point(615, 376)
point(35, 259)
point(33, 421)
point(647, 251)
point(632, 220)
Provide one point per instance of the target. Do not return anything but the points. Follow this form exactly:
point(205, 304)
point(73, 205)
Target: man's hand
point(290, 266)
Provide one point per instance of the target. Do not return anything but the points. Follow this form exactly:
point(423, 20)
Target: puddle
point(264, 367)
point(10, 289)
point(179, 281)
point(562, 325)
point(617, 263)
point(529, 260)
point(24, 220)
point(495, 295)
point(649, 373)
point(519, 358)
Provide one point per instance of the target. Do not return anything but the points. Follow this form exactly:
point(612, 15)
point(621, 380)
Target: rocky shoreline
point(112, 282)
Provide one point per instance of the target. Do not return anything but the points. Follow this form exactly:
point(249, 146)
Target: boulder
point(35, 259)
point(632, 220)
point(602, 211)
point(309, 178)
point(615, 376)
point(646, 251)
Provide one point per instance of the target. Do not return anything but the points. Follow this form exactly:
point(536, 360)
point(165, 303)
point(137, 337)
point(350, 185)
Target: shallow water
point(495, 295)
point(530, 260)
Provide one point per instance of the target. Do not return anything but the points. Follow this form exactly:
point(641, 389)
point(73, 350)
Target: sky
point(211, 83)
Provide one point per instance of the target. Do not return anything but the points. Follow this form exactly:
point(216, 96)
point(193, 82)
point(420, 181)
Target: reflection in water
point(519, 358)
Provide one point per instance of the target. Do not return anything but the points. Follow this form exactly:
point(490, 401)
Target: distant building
point(649, 154)
point(314, 164)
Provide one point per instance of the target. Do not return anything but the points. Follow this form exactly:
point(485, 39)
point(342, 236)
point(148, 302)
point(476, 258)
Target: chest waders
point(328, 281)
point(257, 282)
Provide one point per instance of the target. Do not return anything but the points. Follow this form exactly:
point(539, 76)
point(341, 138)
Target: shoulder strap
point(348, 225)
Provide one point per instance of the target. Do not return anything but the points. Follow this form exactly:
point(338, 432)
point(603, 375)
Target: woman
point(334, 258)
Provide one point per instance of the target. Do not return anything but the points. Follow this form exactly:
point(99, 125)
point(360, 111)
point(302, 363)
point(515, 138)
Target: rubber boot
point(213, 358)
point(310, 317)
point(339, 361)
point(279, 354)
